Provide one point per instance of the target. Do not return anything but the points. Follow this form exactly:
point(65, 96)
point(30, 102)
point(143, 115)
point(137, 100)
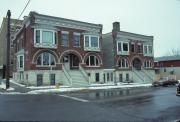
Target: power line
point(24, 9)
point(15, 25)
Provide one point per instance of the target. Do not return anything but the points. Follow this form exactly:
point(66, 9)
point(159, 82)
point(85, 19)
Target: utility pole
point(8, 49)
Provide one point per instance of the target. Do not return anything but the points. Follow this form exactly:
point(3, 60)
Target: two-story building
point(128, 56)
point(51, 50)
point(167, 66)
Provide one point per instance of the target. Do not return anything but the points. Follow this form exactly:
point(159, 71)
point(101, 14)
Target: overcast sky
point(159, 18)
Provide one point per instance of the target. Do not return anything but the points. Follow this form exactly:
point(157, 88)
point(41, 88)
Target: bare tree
point(173, 52)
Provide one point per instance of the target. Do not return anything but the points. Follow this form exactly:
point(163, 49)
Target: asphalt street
point(147, 104)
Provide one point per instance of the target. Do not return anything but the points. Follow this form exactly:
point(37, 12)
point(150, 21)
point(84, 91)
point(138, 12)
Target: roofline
point(43, 15)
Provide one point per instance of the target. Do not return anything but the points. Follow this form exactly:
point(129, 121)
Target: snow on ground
point(45, 87)
point(56, 90)
point(93, 87)
point(3, 86)
point(12, 81)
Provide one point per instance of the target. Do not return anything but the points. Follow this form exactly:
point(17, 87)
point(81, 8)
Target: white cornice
point(134, 36)
point(61, 22)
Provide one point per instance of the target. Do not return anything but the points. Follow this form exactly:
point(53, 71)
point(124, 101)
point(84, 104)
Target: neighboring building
point(15, 26)
point(51, 50)
point(167, 66)
point(128, 57)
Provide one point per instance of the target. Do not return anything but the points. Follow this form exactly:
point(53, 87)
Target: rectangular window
point(139, 48)
point(64, 39)
point(39, 79)
point(145, 49)
point(97, 77)
point(125, 46)
point(120, 78)
point(150, 49)
point(91, 41)
point(107, 76)
point(127, 77)
point(111, 76)
point(94, 41)
point(119, 46)
point(21, 61)
point(76, 40)
point(47, 37)
point(132, 48)
point(104, 77)
point(52, 79)
point(37, 36)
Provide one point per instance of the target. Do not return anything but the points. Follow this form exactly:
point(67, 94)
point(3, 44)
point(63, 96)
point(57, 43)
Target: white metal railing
point(84, 73)
point(67, 74)
point(148, 74)
point(137, 74)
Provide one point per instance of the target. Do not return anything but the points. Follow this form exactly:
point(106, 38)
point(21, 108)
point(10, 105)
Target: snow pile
point(121, 86)
point(45, 87)
point(2, 86)
point(21, 85)
point(55, 90)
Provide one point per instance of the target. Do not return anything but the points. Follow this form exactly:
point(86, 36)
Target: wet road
point(150, 104)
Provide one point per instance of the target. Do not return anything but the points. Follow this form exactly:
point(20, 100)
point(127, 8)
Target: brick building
point(51, 50)
point(168, 66)
point(15, 26)
point(128, 56)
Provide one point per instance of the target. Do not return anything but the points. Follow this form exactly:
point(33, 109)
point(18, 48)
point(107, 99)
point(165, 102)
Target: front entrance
point(71, 61)
point(137, 64)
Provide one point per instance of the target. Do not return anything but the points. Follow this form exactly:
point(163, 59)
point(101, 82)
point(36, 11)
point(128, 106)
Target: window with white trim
point(148, 49)
point(44, 36)
point(92, 61)
point(91, 41)
point(122, 46)
point(20, 61)
point(76, 39)
point(45, 59)
point(123, 63)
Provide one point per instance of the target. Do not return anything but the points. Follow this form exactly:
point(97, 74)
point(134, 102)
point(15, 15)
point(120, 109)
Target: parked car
point(178, 90)
point(165, 81)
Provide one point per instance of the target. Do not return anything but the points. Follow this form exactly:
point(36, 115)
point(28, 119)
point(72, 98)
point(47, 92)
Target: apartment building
point(128, 56)
point(52, 50)
point(15, 25)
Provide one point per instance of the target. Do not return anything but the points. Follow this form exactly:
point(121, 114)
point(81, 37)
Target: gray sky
point(160, 18)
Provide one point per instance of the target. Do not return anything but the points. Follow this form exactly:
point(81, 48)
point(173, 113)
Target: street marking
point(74, 98)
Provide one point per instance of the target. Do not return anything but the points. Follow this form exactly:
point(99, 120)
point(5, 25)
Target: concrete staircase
point(75, 78)
point(142, 76)
point(78, 80)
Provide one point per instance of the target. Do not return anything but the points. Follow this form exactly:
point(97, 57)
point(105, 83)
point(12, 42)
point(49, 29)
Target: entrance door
point(67, 62)
point(137, 64)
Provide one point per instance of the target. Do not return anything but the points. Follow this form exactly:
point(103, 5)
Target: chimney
point(116, 26)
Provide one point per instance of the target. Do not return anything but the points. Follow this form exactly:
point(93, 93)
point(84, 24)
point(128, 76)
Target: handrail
point(147, 74)
point(84, 73)
point(138, 75)
point(67, 74)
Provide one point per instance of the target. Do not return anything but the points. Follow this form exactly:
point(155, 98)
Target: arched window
point(45, 59)
point(92, 61)
point(147, 64)
point(123, 63)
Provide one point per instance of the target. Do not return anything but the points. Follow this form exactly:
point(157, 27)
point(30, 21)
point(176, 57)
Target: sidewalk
point(19, 88)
